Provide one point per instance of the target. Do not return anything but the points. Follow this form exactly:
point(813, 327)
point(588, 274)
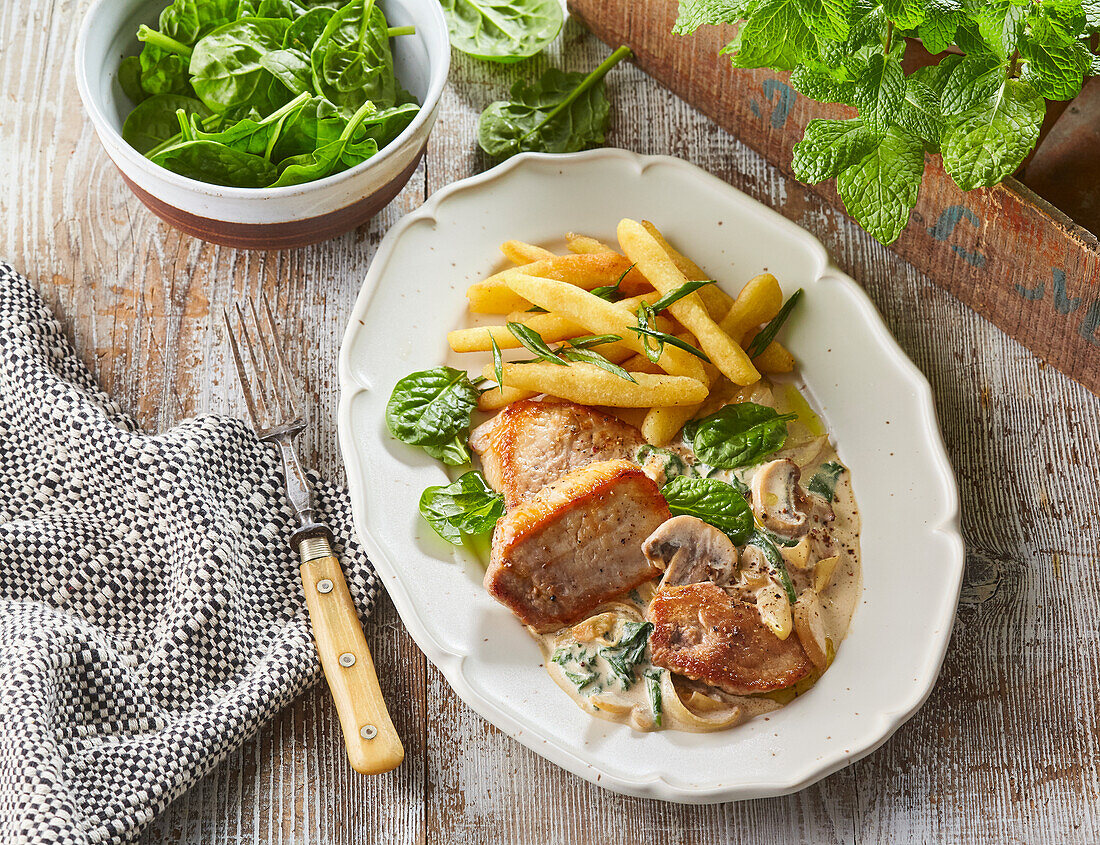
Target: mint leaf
point(974, 80)
point(827, 18)
point(830, 146)
point(820, 86)
point(905, 14)
point(937, 30)
point(919, 114)
point(987, 142)
point(936, 76)
point(1055, 62)
point(880, 88)
point(881, 190)
point(1000, 23)
point(696, 13)
point(774, 36)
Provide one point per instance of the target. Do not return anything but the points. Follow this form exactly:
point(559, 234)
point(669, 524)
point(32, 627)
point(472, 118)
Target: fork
point(275, 407)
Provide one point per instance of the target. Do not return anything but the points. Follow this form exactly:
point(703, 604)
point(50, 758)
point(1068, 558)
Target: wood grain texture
point(1006, 750)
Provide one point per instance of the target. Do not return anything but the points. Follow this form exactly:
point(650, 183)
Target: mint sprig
point(982, 110)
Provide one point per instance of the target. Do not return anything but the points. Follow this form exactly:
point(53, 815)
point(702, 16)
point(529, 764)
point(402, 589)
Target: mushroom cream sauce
point(651, 698)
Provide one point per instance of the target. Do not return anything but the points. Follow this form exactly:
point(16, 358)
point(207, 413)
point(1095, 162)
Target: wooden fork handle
point(373, 744)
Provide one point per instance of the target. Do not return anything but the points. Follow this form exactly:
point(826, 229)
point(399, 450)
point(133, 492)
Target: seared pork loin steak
point(531, 443)
point(575, 544)
point(703, 633)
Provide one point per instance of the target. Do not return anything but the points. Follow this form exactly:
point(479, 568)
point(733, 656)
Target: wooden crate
point(1005, 252)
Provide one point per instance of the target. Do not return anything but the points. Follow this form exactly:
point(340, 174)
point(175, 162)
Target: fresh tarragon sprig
point(981, 110)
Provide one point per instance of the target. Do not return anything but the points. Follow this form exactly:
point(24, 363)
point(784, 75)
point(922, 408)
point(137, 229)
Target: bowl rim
point(438, 73)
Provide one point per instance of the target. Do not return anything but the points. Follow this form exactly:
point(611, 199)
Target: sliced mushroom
point(810, 628)
point(781, 505)
point(690, 551)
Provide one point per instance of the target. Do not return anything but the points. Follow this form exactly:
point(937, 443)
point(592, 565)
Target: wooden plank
point(1006, 750)
point(1003, 251)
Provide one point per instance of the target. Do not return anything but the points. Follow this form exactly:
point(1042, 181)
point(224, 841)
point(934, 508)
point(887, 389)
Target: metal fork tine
point(290, 379)
point(254, 360)
point(242, 373)
point(282, 402)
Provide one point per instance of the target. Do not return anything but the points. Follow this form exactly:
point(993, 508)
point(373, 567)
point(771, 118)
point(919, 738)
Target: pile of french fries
point(666, 393)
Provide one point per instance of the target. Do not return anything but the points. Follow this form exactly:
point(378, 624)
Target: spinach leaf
point(154, 121)
point(225, 67)
point(825, 479)
point(452, 453)
point(253, 136)
point(672, 464)
point(467, 507)
point(129, 79)
point(738, 435)
point(558, 113)
point(767, 334)
point(577, 664)
point(217, 164)
point(327, 159)
point(291, 67)
point(628, 652)
point(431, 407)
point(777, 567)
point(351, 61)
point(713, 502)
point(303, 32)
point(653, 690)
point(502, 30)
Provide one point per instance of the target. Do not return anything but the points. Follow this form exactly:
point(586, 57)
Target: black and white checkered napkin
point(151, 617)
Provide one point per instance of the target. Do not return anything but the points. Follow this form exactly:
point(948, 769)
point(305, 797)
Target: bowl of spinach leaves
point(263, 123)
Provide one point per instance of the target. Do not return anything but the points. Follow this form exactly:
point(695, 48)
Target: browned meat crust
point(701, 632)
point(575, 544)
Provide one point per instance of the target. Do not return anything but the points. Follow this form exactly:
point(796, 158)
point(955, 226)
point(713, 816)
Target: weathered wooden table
point(1006, 750)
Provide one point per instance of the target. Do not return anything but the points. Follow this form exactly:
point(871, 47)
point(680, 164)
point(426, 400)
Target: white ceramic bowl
point(873, 400)
point(261, 218)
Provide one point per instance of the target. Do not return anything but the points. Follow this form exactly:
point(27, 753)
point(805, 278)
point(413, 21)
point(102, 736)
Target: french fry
point(759, 300)
point(492, 295)
point(649, 257)
point(638, 363)
point(496, 398)
point(552, 328)
point(600, 317)
point(718, 302)
point(494, 299)
point(582, 244)
point(774, 359)
point(519, 252)
point(589, 385)
point(630, 416)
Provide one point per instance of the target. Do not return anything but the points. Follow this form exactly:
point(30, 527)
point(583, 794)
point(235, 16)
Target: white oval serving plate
point(875, 402)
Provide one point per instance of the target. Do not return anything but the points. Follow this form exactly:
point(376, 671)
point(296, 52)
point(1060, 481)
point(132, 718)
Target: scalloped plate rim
point(660, 785)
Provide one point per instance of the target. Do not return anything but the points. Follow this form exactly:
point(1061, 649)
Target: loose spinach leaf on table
point(468, 507)
point(558, 113)
point(712, 501)
point(154, 121)
point(738, 435)
point(502, 30)
point(431, 407)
